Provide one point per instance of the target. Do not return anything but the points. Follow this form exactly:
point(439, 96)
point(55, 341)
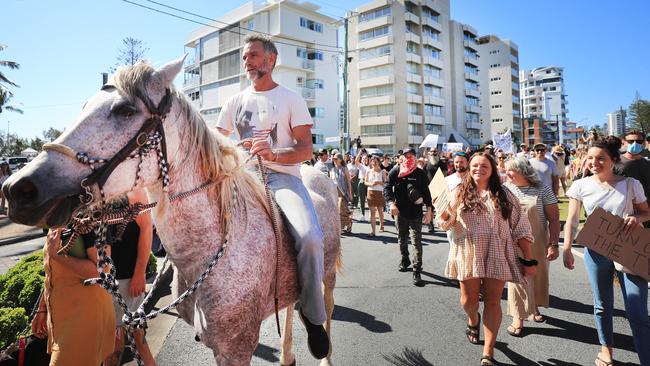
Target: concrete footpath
point(11, 232)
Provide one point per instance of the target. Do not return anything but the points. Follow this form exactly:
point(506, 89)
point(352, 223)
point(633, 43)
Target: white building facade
point(307, 63)
point(543, 96)
point(499, 87)
point(616, 123)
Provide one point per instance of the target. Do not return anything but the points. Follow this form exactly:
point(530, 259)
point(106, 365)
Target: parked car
point(17, 162)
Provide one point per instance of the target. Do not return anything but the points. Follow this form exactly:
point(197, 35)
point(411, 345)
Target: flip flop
point(515, 332)
point(603, 362)
point(539, 318)
point(490, 361)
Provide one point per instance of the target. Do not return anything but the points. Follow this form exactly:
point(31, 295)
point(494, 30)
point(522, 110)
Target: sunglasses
point(501, 158)
point(540, 150)
point(633, 141)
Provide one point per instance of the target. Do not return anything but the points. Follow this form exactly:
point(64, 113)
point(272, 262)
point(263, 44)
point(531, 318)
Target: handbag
point(629, 210)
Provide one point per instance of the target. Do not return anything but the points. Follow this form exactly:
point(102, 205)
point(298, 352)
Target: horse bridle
point(151, 134)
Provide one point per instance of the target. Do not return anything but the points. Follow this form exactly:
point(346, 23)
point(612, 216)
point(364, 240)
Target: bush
point(152, 265)
point(12, 322)
point(22, 284)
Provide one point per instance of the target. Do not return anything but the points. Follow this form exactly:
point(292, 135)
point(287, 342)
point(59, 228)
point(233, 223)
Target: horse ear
point(169, 71)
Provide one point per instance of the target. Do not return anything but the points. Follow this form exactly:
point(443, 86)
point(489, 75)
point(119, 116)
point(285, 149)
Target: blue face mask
point(634, 148)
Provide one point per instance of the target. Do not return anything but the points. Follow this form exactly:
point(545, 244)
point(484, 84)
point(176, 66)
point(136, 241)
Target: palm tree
point(5, 97)
point(10, 64)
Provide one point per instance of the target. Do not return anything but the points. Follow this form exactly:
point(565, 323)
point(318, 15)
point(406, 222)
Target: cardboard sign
point(452, 147)
point(503, 141)
point(605, 234)
point(430, 141)
point(439, 193)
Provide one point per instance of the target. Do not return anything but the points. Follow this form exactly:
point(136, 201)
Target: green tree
point(15, 145)
point(36, 143)
point(639, 114)
point(10, 64)
point(5, 97)
point(51, 134)
point(132, 51)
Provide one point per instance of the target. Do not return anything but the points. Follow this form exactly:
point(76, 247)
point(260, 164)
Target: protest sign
point(452, 147)
point(503, 141)
point(430, 141)
point(605, 234)
point(439, 193)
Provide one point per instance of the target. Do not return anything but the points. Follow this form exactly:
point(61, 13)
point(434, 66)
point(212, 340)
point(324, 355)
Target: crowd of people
point(503, 223)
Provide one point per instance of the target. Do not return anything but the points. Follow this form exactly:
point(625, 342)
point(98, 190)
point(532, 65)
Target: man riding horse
point(267, 111)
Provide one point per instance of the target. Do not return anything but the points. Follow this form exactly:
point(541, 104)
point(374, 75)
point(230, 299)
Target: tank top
point(373, 177)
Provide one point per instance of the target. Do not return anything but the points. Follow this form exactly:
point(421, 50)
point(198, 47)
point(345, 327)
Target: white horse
point(227, 310)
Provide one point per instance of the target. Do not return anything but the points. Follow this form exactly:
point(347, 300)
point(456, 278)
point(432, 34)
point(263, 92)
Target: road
point(382, 319)
point(10, 254)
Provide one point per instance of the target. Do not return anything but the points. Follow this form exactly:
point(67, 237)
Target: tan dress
point(81, 319)
point(484, 244)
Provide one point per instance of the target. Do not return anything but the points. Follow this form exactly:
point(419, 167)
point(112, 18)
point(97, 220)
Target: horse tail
point(339, 262)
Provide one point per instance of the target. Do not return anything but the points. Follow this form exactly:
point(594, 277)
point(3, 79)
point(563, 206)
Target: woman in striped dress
point(543, 213)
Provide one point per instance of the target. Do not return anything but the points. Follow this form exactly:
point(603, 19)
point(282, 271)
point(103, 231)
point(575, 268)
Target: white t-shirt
point(270, 114)
point(453, 181)
point(362, 171)
point(593, 194)
point(546, 170)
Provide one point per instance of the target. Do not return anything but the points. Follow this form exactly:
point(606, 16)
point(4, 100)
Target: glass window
point(413, 88)
point(315, 83)
point(317, 112)
point(412, 67)
point(432, 90)
point(472, 85)
point(301, 52)
point(429, 128)
point(377, 110)
point(377, 130)
point(412, 47)
point(310, 24)
point(471, 69)
point(470, 53)
point(414, 130)
point(431, 14)
point(471, 101)
point(374, 33)
point(376, 91)
point(431, 51)
point(376, 52)
point(374, 14)
point(430, 32)
point(432, 71)
point(471, 117)
point(377, 71)
point(432, 110)
point(412, 108)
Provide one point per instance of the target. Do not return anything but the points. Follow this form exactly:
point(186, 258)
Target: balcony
point(412, 37)
point(413, 98)
point(414, 118)
point(472, 93)
point(378, 140)
point(376, 42)
point(433, 5)
point(430, 99)
point(308, 94)
point(433, 61)
point(375, 23)
point(432, 42)
point(434, 120)
point(413, 78)
point(377, 61)
point(432, 23)
point(470, 60)
point(411, 57)
point(380, 80)
point(471, 76)
point(434, 81)
point(379, 120)
point(470, 44)
point(473, 125)
point(410, 17)
point(472, 108)
point(373, 5)
point(379, 100)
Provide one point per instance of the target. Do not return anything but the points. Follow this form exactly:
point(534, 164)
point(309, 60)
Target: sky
point(63, 47)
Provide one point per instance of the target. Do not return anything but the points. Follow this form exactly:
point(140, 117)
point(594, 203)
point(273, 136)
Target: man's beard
point(255, 74)
point(434, 159)
point(461, 169)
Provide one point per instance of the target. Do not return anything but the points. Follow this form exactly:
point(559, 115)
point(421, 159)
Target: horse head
point(96, 147)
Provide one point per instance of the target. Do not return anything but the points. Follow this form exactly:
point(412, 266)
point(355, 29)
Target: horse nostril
point(23, 191)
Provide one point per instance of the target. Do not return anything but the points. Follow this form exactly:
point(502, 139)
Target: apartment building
point(616, 122)
point(399, 88)
point(307, 61)
point(543, 96)
point(499, 87)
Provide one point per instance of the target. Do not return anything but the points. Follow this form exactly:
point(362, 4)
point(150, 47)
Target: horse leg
point(236, 350)
point(287, 358)
point(329, 310)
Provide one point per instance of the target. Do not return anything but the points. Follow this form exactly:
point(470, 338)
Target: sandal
point(603, 362)
point(488, 361)
point(381, 229)
point(515, 332)
point(539, 318)
point(473, 332)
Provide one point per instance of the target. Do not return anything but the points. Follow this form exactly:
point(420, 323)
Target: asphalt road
point(382, 319)
point(10, 254)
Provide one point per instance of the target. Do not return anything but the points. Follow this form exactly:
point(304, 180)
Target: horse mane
point(217, 156)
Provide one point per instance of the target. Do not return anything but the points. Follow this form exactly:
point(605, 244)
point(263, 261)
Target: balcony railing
point(308, 64)
point(308, 93)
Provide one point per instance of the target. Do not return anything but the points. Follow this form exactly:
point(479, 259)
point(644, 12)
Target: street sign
point(332, 139)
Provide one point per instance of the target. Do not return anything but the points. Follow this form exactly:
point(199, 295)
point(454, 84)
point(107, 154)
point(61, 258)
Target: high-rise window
point(374, 14)
point(377, 130)
point(432, 90)
point(413, 88)
point(412, 108)
point(430, 32)
point(377, 71)
point(374, 33)
point(429, 70)
point(376, 52)
point(310, 24)
point(315, 83)
point(317, 112)
point(431, 52)
point(412, 67)
point(432, 110)
point(471, 101)
point(431, 14)
point(376, 91)
point(377, 110)
point(412, 47)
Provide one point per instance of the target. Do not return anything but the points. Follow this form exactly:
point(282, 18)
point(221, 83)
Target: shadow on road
point(515, 357)
point(579, 333)
point(440, 280)
point(365, 320)
point(408, 357)
point(577, 307)
point(266, 353)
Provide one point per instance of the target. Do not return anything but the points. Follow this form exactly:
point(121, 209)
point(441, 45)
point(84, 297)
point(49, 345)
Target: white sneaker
point(363, 218)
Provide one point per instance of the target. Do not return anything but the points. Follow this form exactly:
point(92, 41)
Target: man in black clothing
point(434, 162)
point(386, 163)
point(632, 164)
point(406, 191)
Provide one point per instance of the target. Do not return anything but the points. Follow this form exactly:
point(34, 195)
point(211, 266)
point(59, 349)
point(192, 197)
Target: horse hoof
point(291, 364)
point(325, 362)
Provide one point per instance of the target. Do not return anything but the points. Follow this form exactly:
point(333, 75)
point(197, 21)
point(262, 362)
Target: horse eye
point(124, 110)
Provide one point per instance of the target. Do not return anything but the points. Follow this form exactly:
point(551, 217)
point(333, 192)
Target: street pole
point(346, 125)
point(557, 122)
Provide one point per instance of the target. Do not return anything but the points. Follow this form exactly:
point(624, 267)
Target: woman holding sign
point(623, 197)
point(487, 227)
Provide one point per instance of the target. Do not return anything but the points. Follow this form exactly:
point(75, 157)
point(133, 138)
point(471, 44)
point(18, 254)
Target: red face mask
point(407, 166)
